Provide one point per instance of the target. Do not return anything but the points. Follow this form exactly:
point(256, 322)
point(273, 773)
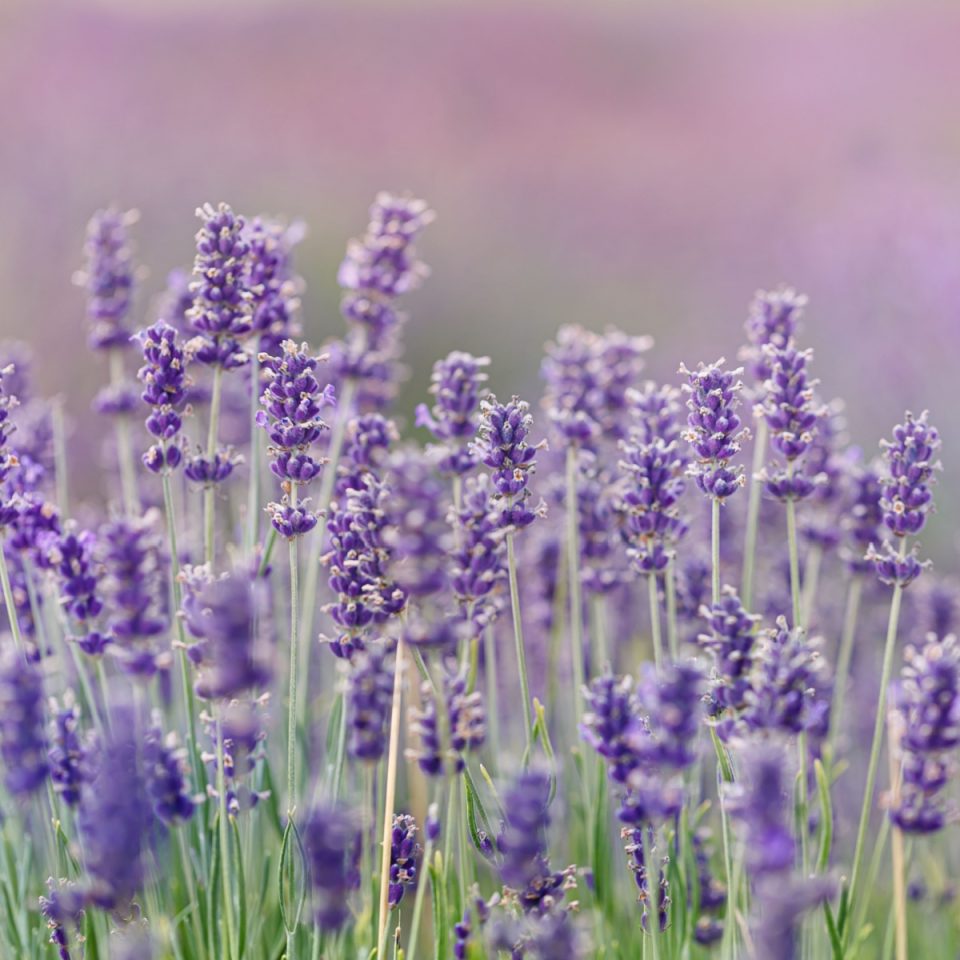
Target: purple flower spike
point(369, 697)
point(404, 851)
point(928, 709)
point(612, 723)
point(293, 400)
point(731, 639)
point(457, 386)
point(108, 277)
point(655, 412)
point(332, 842)
point(115, 816)
point(911, 462)
point(715, 429)
point(638, 860)
point(165, 770)
point(773, 321)
point(275, 287)
point(761, 803)
point(223, 303)
point(234, 653)
point(504, 448)
point(68, 756)
point(164, 380)
point(863, 519)
point(23, 742)
point(654, 474)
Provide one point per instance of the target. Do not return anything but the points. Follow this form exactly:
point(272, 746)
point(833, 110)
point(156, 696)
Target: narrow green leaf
point(826, 817)
point(477, 821)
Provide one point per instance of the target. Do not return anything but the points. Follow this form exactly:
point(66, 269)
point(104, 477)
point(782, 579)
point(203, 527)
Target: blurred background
point(647, 165)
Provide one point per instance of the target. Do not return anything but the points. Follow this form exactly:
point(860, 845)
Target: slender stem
point(794, 552)
point(715, 549)
point(414, 935)
point(844, 655)
point(654, 597)
point(670, 583)
point(896, 841)
point(493, 710)
point(293, 719)
point(390, 789)
point(518, 643)
point(344, 407)
point(877, 743)
point(811, 580)
point(224, 833)
point(573, 580)
point(9, 602)
point(210, 491)
point(653, 893)
point(253, 497)
point(337, 779)
point(128, 476)
point(753, 514)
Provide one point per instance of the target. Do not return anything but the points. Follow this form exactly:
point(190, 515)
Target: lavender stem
point(877, 742)
point(753, 513)
point(654, 598)
point(573, 579)
point(518, 643)
point(209, 492)
point(390, 789)
point(128, 477)
point(844, 655)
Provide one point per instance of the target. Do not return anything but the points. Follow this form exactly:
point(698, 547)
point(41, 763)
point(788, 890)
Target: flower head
point(404, 851)
point(331, 839)
point(773, 321)
point(23, 741)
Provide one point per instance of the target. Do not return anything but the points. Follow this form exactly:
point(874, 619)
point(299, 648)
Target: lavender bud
point(275, 287)
point(23, 742)
point(637, 858)
point(164, 380)
point(108, 277)
point(166, 770)
point(715, 428)
point(68, 757)
point(332, 843)
point(404, 851)
point(773, 321)
point(369, 698)
point(909, 458)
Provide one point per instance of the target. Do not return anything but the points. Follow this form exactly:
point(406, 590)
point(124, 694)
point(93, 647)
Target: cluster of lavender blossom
point(528, 621)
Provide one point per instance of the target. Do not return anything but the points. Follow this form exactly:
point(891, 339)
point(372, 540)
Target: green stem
point(877, 742)
point(811, 580)
point(413, 938)
point(390, 794)
point(653, 892)
point(8, 601)
point(493, 710)
point(573, 581)
point(844, 655)
point(654, 597)
point(253, 497)
point(518, 643)
point(210, 491)
point(793, 548)
point(753, 514)
point(60, 455)
point(224, 834)
point(715, 550)
point(293, 718)
point(128, 476)
point(670, 583)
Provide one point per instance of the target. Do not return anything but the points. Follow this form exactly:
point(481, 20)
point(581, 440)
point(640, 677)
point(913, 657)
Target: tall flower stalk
point(906, 501)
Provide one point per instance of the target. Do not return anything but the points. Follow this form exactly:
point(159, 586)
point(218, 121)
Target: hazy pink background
point(646, 165)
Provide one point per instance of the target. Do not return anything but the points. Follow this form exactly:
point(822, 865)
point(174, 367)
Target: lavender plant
point(469, 737)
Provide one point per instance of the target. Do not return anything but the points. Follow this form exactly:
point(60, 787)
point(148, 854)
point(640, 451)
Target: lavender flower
point(637, 857)
point(222, 311)
point(792, 416)
point(271, 279)
point(715, 428)
point(792, 690)
point(404, 851)
point(653, 471)
point(234, 652)
point(760, 802)
point(164, 380)
point(164, 763)
point(477, 560)
point(713, 895)
point(332, 843)
point(108, 277)
point(773, 321)
point(62, 906)
point(133, 586)
point(906, 495)
point(928, 703)
point(377, 270)
point(68, 757)
point(655, 412)
point(522, 844)
point(23, 742)
point(367, 442)
point(612, 723)
point(863, 518)
point(358, 563)
point(731, 640)
point(457, 387)
point(242, 728)
point(503, 447)
point(114, 818)
point(293, 401)
point(465, 724)
point(369, 698)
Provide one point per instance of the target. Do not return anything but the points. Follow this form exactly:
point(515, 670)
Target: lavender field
point(533, 575)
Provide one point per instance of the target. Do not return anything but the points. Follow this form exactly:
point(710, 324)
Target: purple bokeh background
point(645, 165)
